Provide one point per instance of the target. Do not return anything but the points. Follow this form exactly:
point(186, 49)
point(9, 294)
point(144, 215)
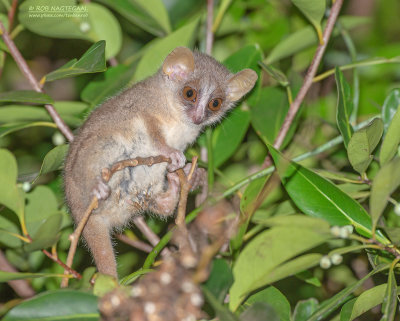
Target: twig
point(23, 66)
point(134, 243)
point(209, 32)
point(11, 14)
point(308, 80)
point(106, 175)
point(21, 287)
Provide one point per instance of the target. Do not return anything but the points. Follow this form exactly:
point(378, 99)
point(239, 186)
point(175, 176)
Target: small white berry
point(397, 209)
point(84, 27)
point(349, 228)
point(58, 139)
point(26, 186)
point(344, 233)
point(335, 231)
point(325, 262)
point(336, 259)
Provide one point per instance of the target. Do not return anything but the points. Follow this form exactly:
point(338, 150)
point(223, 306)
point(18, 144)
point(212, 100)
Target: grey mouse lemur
point(160, 115)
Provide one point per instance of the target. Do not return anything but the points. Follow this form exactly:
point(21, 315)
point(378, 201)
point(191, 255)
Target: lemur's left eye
point(215, 104)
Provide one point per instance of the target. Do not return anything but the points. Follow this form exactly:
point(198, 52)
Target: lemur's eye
point(189, 93)
point(215, 104)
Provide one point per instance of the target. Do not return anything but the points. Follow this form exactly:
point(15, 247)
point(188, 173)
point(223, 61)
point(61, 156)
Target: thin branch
point(21, 287)
point(209, 33)
point(106, 175)
point(11, 14)
point(23, 66)
point(308, 80)
point(134, 243)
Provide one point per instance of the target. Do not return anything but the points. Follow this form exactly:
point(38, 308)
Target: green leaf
point(274, 298)
point(384, 184)
point(276, 74)
point(26, 96)
point(392, 139)
point(264, 253)
point(92, 22)
point(160, 48)
point(46, 235)
point(41, 204)
point(259, 311)
point(220, 279)
point(390, 106)
point(298, 220)
point(366, 301)
point(362, 144)
point(344, 107)
point(10, 227)
point(314, 11)
point(269, 112)
point(69, 111)
point(222, 312)
point(304, 309)
point(107, 85)
point(54, 159)
point(389, 305)
point(11, 128)
point(10, 195)
point(9, 276)
point(318, 197)
point(93, 60)
point(228, 135)
point(150, 15)
point(126, 280)
point(331, 304)
point(306, 37)
point(66, 305)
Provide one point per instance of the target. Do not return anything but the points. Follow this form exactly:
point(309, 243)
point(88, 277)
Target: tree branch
point(312, 70)
point(209, 32)
point(23, 66)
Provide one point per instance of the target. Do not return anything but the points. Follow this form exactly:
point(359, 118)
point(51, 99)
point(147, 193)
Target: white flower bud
point(325, 262)
point(58, 139)
point(26, 186)
point(335, 231)
point(84, 27)
point(397, 209)
point(336, 259)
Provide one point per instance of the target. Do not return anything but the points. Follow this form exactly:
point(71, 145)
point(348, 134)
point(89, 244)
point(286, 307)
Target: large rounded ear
point(179, 63)
point(241, 83)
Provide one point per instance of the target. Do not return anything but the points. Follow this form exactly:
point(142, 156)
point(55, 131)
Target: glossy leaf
point(269, 112)
point(11, 128)
point(391, 141)
point(306, 37)
point(106, 85)
point(41, 204)
point(66, 305)
point(298, 220)
point(384, 184)
point(344, 107)
point(264, 253)
point(362, 144)
point(274, 298)
point(314, 11)
point(150, 15)
point(318, 197)
point(389, 305)
point(10, 195)
point(9, 276)
point(259, 311)
point(160, 48)
point(220, 279)
point(92, 22)
point(9, 228)
point(46, 235)
point(363, 303)
point(304, 309)
point(390, 106)
point(54, 159)
point(70, 112)
point(93, 60)
point(338, 299)
point(26, 96)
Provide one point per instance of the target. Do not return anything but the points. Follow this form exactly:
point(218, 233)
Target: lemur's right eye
point(189, 93)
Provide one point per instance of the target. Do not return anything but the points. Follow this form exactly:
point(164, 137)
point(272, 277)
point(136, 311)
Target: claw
point(101, 190)
point(178, 160)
